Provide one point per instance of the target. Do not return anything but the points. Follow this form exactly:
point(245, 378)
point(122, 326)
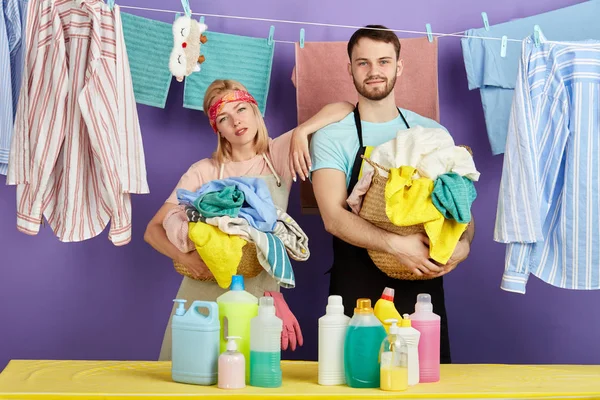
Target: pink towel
point(360, 189)
point(176, 227)
point(321, 77)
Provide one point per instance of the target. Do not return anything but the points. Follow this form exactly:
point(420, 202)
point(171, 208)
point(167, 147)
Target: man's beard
point(375, 94)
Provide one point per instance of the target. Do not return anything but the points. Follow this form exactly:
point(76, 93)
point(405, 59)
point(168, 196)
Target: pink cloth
point(321, 77)
point(356, 197)
point(176, 227)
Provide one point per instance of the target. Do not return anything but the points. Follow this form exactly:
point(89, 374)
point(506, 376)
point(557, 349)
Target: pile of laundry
point(430, 182)
point(221, 217)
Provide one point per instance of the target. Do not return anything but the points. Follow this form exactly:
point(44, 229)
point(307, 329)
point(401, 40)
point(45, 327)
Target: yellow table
point(37, 379)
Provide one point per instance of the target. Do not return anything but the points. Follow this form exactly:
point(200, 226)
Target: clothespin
point(177, 15)
point(503, 45)
point(202, 19)
point(186, 8)
point(486, 22)
point(271, 34)
point(536, 35)
point(429, 34)
point(302, 38)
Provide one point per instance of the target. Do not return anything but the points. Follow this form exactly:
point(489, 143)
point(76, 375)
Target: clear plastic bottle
point(394, 360)
point(265, 346)
point(428, 323)
point(332, 334)
point(361, 347)
point(232, 367)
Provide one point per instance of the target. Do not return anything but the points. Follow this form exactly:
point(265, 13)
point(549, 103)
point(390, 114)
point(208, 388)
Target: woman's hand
point(194, 264)
point(299, 154)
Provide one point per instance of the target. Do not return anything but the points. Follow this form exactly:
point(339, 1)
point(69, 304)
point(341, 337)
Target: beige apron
point(192, 289)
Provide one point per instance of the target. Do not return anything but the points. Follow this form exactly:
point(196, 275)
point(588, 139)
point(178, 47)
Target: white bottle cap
point(334, 305)
point(424, 302)
point(394, 329)
point(231, 343)
point(266, 306)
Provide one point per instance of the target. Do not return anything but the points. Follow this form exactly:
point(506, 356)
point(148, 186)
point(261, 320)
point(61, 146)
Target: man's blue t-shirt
point(336, 145)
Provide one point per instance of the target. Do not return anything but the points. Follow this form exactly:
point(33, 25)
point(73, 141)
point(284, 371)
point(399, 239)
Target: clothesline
point(436, 34)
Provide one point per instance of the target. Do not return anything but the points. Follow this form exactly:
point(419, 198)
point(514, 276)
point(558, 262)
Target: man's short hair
point(380, 33)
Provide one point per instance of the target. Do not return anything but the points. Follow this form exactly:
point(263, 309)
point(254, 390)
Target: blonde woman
point(244, 149)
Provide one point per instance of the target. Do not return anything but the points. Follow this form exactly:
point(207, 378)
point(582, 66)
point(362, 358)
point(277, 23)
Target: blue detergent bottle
point(361, 348)
point(195, 343)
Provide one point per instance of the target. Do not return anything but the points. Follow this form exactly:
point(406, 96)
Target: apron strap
point(361, 150)
point(277, 178)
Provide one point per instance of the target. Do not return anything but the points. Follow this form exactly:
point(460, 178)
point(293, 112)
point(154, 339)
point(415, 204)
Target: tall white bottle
point(411, 336)
point(332, 333)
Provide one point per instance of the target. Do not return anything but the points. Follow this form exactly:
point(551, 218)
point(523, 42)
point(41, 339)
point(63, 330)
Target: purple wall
point(93, 300)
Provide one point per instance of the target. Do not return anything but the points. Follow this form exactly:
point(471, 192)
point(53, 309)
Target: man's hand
point(194, 264)
point(461, 252)
point(412, 251)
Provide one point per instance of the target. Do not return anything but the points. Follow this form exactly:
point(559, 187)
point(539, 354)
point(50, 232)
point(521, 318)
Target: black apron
point(354, 275)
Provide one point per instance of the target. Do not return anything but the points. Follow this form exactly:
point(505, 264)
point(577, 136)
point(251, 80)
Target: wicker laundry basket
point(249, 266)
point(373, 210)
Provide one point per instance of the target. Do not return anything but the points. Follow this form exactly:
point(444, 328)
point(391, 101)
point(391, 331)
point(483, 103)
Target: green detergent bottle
point(236, 309)
point(361, 347)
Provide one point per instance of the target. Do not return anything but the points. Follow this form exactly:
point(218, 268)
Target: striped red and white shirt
point(77, 152)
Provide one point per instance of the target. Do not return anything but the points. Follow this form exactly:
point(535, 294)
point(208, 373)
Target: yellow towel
point(220, 252)
point(408, 202)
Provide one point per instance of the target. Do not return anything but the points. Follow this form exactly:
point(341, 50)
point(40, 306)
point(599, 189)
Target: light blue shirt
point(549, 203)
point(12, 56)
point(336, 145)
point(495, 76)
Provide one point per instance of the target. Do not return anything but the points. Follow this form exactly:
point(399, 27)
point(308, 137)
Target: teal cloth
point(149, 44)
point(228, 201)
point(244, 59)
point(453, 195)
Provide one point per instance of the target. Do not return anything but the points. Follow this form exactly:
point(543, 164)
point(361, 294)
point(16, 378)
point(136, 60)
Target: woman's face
point(237, 123)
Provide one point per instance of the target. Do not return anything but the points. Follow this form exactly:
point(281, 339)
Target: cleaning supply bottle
point(232, 367)
point(428, 324)
point(195, 343)
point(332, 334)
point(394, 360)
point(411, 336)
point(265, 346)
point(236, 309)
point(361, 347)
point(385, 308)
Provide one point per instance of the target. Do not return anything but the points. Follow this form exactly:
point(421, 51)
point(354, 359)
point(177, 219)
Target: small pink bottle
point(428, 323)
point(232, 367)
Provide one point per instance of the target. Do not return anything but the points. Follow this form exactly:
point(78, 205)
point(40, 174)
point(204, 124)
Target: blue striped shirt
point(549, 206)
point(12, 55)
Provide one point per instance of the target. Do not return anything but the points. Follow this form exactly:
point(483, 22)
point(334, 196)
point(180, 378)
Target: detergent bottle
point(411, 336)
point(232, 367)
point(236, 309)
point(394, 360)
point(195, 343)
point(385, 308)
point(428, 324)
point(361, 347)
point(265, 346)
point(332, 334)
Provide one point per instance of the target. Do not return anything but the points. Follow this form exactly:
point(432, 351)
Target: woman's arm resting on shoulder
point(300, 162)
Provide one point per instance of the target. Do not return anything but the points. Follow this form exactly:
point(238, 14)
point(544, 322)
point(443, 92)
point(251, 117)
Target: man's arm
point(329, 186)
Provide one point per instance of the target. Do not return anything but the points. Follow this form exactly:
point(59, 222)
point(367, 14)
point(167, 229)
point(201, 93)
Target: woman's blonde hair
point(215, 91)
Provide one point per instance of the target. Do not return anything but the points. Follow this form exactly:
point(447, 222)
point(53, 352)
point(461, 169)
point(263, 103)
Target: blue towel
point(149, 44)
point(244, 59)
point(258, 208)
point(495, 76)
